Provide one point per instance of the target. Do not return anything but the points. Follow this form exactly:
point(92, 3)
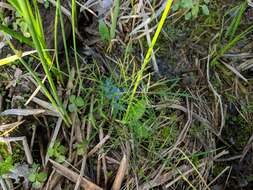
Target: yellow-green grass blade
point(11, 59)
point(147, 57)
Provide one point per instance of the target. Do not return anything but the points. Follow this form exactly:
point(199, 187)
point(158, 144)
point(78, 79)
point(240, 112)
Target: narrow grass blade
point(59, 74)
point(16, 57)
point(236, 21)
point(231, 44)
point(114, 18)
point(147, 57)
point(64, 39)
point(73, 13)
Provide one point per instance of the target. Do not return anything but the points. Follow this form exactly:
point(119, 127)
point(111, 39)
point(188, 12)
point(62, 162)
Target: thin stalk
point(56, 44)
point(64, 40)
point(114, 18)
point(147, 57)
point(73, 16)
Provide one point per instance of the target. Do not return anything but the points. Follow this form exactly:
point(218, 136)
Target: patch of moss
point(3, 150)
point(218, 169)
point(237, 131)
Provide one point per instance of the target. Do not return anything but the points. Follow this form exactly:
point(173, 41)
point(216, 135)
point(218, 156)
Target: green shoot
point(64, 39)
point(73, 16)
point(58, 152)
point(193, 8)
point(6, 165)
point(147, 57)
point(59, 74)
point(236, 21)
point(114, 18)
point(36, 177)
point(104, 31)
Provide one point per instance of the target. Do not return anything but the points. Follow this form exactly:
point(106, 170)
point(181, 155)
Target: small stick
point(98, 146)
point(85, 154)
point(73, 176)
point(101, 134)
point(120, 174)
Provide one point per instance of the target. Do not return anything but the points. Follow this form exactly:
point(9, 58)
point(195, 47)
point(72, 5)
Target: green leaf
point(50, 152)
point(42, 177)
point(186, 4)
point(137, 110)
point(60, 159)
point(205, 10)
point(72, 107)
point(231, 31)
point(206, 1)
point(46, 4)
point(79, 102)
point(61, 149)
point(81, 147)
point(188, 16)
point(176, 6)
point(139, 129)
point(37, 185)
point(195, 11)
point(72, 98)
point(6, 165)
point(103, 31)
point(32, 177)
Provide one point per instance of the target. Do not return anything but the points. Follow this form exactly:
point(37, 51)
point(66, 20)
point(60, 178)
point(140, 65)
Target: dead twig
point(73, 176)
point(120, 174)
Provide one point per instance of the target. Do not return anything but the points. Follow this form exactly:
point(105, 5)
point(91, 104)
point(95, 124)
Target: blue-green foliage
point(113, 94)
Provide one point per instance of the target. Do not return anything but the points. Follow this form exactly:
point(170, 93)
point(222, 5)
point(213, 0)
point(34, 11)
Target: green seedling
point(114, 18)
point(76, 102)
point(106, 34)
point(193, 6)
point(236, 21)
point(136, 113)
point(36, 177)
point(6, 165)
point(46, 4)
point(147, 58)
point(81, 147)
point(104, 31)
point(57, 152)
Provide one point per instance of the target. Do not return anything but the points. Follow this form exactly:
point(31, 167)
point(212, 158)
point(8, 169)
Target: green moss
point(3, 150)
point(237, 131)
point(218, 169)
